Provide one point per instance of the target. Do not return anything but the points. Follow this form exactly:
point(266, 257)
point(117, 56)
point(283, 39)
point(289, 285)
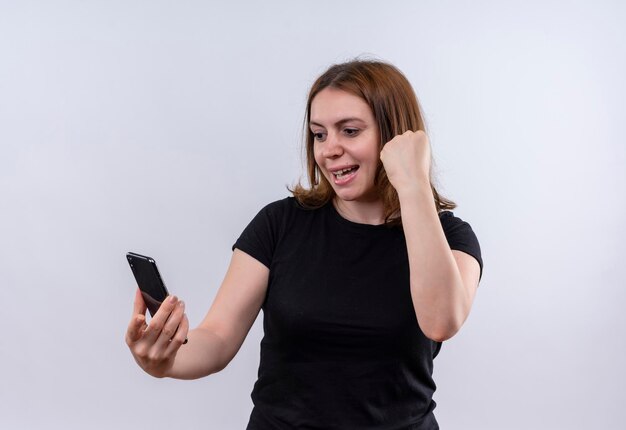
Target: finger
point(181, 336)
point(135, 329)
point(171, 325)
point(139, 306)
point(160, 318)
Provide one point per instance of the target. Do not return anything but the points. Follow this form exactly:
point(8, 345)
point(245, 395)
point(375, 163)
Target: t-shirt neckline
point(351, 224)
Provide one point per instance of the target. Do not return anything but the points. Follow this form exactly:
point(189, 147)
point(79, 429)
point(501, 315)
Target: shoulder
point(269, 227)
point(446, 215)
point(461, 236)
point(280, 209)
point(455, 227)
point(287, 203)
point(280, 214)
point(288, 206)
point(450, 221)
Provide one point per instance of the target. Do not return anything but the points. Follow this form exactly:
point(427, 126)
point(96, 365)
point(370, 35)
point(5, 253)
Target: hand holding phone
point(155, 345)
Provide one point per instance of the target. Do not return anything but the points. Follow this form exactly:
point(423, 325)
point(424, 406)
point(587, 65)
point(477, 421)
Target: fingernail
point(181, 304)
point(172, 299)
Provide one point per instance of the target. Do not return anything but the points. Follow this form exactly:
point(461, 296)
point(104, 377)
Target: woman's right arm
point(214, 343)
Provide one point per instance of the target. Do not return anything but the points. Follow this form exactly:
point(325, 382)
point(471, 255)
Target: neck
point(368, 212)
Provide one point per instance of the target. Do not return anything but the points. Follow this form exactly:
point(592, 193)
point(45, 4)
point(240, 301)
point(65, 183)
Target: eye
point(351, 131)
point(319, 136)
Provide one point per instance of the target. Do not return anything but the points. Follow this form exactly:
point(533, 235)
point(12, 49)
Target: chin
point(348, 197)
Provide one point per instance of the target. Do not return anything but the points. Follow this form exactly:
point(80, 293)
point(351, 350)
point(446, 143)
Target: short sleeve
point(461, 237)
point(259, 238)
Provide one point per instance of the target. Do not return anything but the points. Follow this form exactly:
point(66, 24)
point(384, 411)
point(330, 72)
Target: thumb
point(135, 329)
point(139, 306)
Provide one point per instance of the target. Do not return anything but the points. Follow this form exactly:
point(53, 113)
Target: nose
point(332, 146)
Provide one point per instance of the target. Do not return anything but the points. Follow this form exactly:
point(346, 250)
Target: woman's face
point(346, 143)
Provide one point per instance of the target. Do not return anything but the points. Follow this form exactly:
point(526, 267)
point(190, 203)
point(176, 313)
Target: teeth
point(341, 172)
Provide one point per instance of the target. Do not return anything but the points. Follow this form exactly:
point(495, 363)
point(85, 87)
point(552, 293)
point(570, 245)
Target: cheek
point(369, 149)
point(370, 157)
point(375, 152)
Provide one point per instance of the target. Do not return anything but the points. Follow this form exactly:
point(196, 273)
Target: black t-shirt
point(342, 347)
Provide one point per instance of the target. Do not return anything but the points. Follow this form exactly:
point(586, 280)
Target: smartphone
point(149, 280)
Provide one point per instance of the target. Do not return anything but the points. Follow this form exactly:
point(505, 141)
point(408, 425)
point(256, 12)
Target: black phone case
point(149, 280)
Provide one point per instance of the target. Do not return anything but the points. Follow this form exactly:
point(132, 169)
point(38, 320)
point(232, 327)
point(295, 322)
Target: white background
point(162, 127)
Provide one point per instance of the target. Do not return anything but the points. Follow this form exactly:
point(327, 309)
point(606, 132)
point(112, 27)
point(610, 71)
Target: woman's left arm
point(443, 281)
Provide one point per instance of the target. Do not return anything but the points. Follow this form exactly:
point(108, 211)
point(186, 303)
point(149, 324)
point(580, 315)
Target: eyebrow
point(338, 123)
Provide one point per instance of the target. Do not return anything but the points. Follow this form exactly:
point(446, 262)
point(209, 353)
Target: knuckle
point(165, 308)
point(140, 352)
point(177, 342)
point(155, 327)
point(154, 356)
point(168, 332)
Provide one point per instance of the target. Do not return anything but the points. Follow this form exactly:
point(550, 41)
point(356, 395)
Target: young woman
point(360, 276)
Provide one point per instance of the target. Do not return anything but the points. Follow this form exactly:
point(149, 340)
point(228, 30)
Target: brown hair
point(396, 109)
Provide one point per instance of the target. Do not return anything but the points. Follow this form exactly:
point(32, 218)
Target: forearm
point(441, 302)
point(203, 355)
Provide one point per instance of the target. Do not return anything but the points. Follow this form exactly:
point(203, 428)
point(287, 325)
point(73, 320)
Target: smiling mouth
point(343, 172)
